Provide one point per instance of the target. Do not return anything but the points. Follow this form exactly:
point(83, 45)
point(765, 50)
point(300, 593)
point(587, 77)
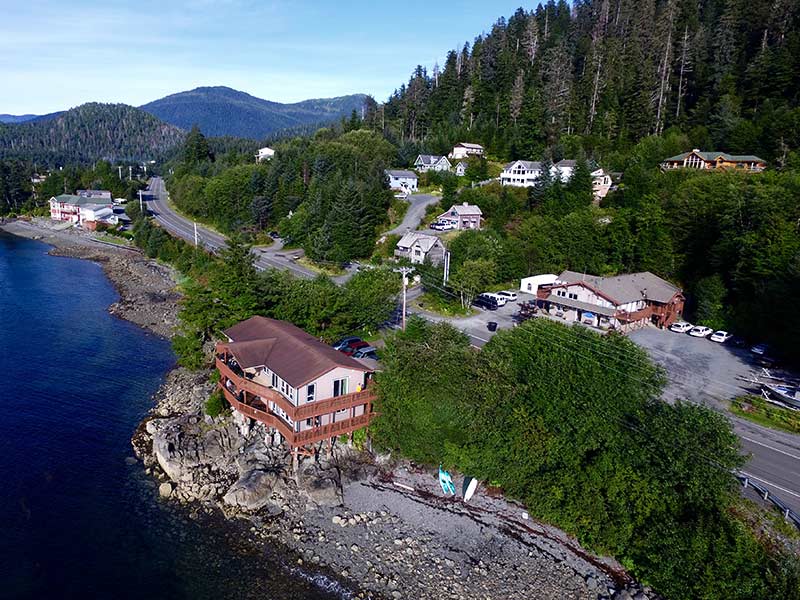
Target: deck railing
point(244, 387)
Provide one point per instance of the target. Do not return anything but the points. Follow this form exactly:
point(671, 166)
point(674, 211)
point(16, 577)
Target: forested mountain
point(612, 72)
point(88, 133)
point(16, 118)
point(222, 111)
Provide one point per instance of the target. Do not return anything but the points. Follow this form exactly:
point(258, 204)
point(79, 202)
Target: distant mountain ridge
point(14, 119)
point(90, 132)
point(222, 111)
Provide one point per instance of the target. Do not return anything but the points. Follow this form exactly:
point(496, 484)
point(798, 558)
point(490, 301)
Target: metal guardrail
point(788, 513)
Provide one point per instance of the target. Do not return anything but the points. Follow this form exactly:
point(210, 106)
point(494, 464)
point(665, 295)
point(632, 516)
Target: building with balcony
point(715, 161)
point(287, 379)
point(622, 303)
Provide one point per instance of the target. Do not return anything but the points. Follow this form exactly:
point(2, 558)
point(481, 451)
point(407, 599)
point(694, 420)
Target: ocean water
point(78, 520)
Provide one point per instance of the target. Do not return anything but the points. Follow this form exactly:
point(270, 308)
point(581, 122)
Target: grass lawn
point(329, 270)
point(438, 305)
point(758, 410)
point(112, 239)
point(397, 211)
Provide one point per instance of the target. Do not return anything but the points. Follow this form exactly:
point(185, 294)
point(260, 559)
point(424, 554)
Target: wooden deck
point(252, 400)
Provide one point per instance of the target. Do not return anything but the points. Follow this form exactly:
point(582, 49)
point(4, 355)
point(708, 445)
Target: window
point(561, 293)
point(573, 296)
point(308, 422)
point(274, 381)
point(340, 387)
point(311, 392)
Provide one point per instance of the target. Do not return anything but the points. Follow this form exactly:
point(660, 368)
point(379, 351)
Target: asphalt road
point(704, 372)
point(267, 257)
point(415, 213)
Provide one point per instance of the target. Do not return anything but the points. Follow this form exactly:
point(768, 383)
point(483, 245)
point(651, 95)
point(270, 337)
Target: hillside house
point(93, 216)
point(465, 150)
point(461, 169)
point(402, 180)
point(622, 303)
point(299, 387)
point(67, 207)
point(264, 154)
point(417, 247)
point(521, 173)
point(465, 216)
point(563, 170)
point(714, 161)
point(432, 162)
point(601, 184)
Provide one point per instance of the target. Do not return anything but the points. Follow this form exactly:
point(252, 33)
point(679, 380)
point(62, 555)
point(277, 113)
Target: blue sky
point(59, 54)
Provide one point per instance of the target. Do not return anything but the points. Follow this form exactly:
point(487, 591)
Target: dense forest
point(327, 193)
point(90, 132)
point(571, 424)
point(603, 74)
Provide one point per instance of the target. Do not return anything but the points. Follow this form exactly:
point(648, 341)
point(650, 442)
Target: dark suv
point(486, 302)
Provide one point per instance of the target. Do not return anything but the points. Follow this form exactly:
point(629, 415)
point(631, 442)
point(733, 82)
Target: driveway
point(415, 213)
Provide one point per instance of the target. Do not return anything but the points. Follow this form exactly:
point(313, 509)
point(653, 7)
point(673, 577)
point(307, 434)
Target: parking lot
point(698, 369)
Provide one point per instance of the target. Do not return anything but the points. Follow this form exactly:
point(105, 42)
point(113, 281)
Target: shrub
point(216, 404)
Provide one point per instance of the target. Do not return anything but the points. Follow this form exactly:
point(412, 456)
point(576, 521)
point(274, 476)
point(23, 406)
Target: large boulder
point(321, 485)
point(252, 491)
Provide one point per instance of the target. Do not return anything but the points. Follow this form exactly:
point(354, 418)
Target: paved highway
point(266, 258)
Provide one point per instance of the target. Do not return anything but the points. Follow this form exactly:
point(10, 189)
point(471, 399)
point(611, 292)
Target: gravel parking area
point(698, 369)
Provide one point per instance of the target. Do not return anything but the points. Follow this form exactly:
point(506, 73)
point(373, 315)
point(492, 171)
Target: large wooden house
point(715, 161)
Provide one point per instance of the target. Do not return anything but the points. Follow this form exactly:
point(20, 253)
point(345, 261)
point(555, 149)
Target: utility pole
point(120, 172)
point(130, 172)
point(195, 234)
point(141, 206)
point(446, 267)
point(405, 271)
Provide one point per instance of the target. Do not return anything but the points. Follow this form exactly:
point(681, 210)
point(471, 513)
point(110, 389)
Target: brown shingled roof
point(296, 356)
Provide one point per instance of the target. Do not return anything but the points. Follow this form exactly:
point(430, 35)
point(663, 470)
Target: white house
point(402, 180)
point(521, 173)
point(461, 169)
point(264, 154)
point(465, 216)
point(417, 247)
point(563, 170)
point(465, 150)
point(92, 215)
point(432, 162)
point(68, 207)
point(601, 183)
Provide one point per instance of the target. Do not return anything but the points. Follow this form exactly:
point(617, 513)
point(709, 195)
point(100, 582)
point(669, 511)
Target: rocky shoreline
point(381, 527)
point(146, 288)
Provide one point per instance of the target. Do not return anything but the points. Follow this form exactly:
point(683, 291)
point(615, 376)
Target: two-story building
point(715, 161)
point(563, 170)
point(402, 181)
point(461, 169)
point(287, 379)
point(601, 184)
point(432, 162)
point(68, 207)
point(521, 173)
point(465, 150)
point(464, 216)
point(417, 247)
point(622, 303)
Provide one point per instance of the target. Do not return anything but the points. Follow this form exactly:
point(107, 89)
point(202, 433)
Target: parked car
point(345, 342)
point(501, 300)
point(720, 336)
point(760, 349)
point(443, 225)
point(366, 352)
point(354, 347)
point(485, 302)
point(681, 327)
point(700, 331)
point(508, 295)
